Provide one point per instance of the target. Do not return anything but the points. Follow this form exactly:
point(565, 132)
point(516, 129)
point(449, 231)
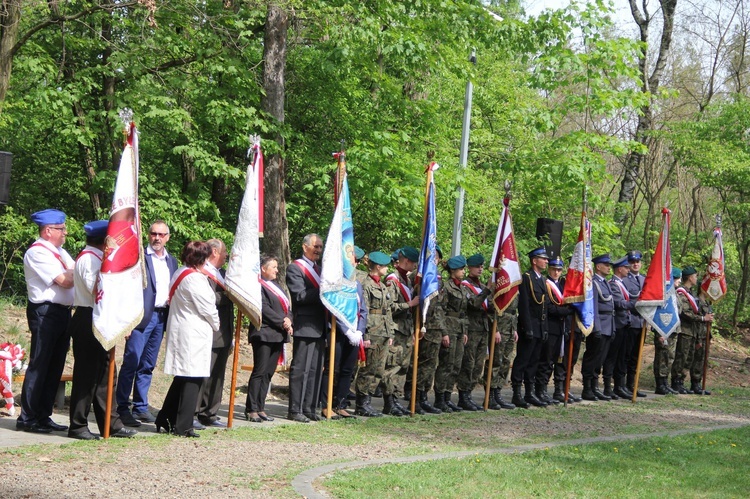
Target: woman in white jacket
point(192, 320)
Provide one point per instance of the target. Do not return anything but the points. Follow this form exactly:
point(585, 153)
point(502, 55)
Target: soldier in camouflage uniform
point(480, 313)
point(664, 350)
point(505, 339)
point(400, 353)
point(454, 301)
point(378, 335)
point(699, 356)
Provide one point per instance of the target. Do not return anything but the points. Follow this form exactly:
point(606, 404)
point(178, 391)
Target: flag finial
point(126, 116)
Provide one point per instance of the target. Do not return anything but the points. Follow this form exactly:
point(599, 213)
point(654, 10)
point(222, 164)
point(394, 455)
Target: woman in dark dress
point(268, 341)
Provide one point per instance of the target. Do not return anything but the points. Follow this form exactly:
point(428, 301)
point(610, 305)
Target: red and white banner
point(506, 272)
point(714, 285)
point(242, 279)
point(118, 306)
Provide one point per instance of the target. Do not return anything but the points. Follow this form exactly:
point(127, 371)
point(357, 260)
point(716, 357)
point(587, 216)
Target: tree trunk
point(276, 230)
point(88, 162)
point(10, 20)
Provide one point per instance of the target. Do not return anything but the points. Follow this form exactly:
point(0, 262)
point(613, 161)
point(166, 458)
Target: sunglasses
point(159, 234)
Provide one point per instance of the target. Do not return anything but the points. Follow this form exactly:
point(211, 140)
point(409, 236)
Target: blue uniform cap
point(602, 259)
point(97, 228)
point(409, 253)
point(688, 271)
point(379, 258)
point(539, 252)
point(440, 252)
point(358, 252)
point(457, 262)
point(622, 262)
point(475, 260)
point(48, 217)
point(556, 263)
point(634, 256)
point(676, 273)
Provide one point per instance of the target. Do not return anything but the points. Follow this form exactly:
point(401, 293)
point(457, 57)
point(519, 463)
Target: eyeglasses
point(63, 229)
point(159, 234)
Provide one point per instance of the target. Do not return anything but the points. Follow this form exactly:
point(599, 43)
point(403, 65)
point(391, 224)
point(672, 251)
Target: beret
point(48, 217)
point(97, 228)
point(380, 258)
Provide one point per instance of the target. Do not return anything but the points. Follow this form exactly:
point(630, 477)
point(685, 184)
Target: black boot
point(640, 393)
point(543, 395)
point(471, 401)
point(532, 399)
point(450, 404)
point(676, 387)
point(682, 386)
point(504, 404)
point(588, 392)
point(364, 408)
point(424, 404)
point(518, 400)
point(404, 411)
point(492, 402)
point(440, 402)
point(597, 392)
point(695, 387)
point(390, 406)
point(661, 386)
point(559, 393)
point(620, 389)
point(608, 392)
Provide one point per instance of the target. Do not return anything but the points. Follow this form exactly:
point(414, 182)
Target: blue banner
point(428, 256)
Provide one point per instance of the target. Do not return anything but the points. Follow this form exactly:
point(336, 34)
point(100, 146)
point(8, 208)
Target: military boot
point(597, 393)
point(518, 400)
point(424, 404)
point(620, 389)
point(630, 387)
point(588, 392)
point(661, 386)
point(399, 407)
point(364, 408)
point(471, 401)
point(463, 401)
point(695, 387)
point(492, 402)
point(608, 392)
point(676, 387)
point(450, 404)
point(504, 404)
point(532, 399)
point(543, 395)
point(559, 393)
point(440, 402)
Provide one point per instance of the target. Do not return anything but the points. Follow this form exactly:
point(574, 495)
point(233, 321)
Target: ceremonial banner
point(338, 285)
point(506, 271)
point(118, 306)
point(243, 272)
point(579, 291)
point(658, 301)
point(427, 265)
point(714, 285)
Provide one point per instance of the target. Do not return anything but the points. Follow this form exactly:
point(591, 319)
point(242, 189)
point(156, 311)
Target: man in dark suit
point(309, 321)
point(532, 329)
point(142, 346)
point(634, 284)
point(597, 343)
point(558, 323)
point(615, 365)
point(213, 386)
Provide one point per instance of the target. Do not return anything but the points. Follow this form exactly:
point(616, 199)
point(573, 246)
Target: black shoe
point(696, 389)
point(312, 416)
point(425, 405)
point(124, 433)
point(216, 424)
point(36, 428)
point(518, 400)
point(405, 411)
point(621, 392)
point(661, 387)
point(598, 394)
point(351, 396)
point(190, 434)
point(440, 403)
point(265, 417)
point(492, 400)
point(588, 393)
point(363, 407)
point(464, 403)
point(144, 417)
point(502, 402)
point(454, 407)
point(82, 435)
point(197, 425)
point(128, 419)
point(253, 419)
point(53, 426)
point(163, 425)
point(543, 395)
point(298, 417)
point(533, 400)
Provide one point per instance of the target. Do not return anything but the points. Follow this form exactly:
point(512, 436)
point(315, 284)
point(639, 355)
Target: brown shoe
point(334, 416)
point(345, 414)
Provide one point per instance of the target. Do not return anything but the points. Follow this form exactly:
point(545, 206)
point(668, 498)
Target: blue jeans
point(138, 362)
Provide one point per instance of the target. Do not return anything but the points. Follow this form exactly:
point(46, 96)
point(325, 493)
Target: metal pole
point(458, 214)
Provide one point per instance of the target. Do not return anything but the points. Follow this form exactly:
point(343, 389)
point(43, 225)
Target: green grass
point(712, 464)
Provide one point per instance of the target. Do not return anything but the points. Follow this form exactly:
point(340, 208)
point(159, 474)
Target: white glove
point(354, 337)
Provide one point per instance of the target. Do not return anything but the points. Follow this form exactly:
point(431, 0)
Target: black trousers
point(597, 347)
point(179, 404)
point(90, 377)
point(265, 359)
point(561, 368)
point(615, 363)
point(344, 364)
point(305, 374)
point(50, 340)
point(631, 346)
point(526, 361)
point(548, 358)
point(209, 400)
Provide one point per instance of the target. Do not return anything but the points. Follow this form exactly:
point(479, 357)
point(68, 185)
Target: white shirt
point(214, 271)
point(162, 276)
point(41, 268)
point(88, 265)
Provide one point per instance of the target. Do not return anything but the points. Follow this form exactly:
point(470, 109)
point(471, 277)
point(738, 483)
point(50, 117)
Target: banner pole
point(415, 363)
point(110, 390)
point(489, 366)
point(640, 360)
point(235, 362)
point(331, 362)
point(569, 368)
point(705, 356)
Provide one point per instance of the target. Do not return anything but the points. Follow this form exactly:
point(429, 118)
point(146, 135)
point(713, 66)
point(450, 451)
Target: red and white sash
point(183, 274)
point(623, 289)
point(405, 291)
point(693, 304)
point(211, 276)
point(309, 271)
point(476, 290)
point(55, 253)
point(88, 252)
point(554, 293)
point(278, 293)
